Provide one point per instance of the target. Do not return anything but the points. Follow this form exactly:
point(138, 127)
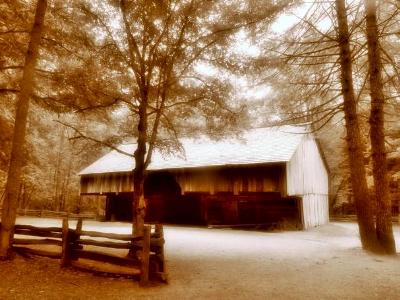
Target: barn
point(262, 176)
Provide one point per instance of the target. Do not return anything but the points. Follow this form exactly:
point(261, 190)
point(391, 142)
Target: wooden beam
point(105, 244)
point(34, 228)
point(26, 250)
point(108, 258)
point(113, 236)
point(38, 233)
point(37, 242)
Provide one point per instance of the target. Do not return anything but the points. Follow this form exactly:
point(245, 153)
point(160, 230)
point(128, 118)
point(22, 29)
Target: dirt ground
point(322, 263)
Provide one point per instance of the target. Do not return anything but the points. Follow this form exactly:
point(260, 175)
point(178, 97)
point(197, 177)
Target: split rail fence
point(144, 262)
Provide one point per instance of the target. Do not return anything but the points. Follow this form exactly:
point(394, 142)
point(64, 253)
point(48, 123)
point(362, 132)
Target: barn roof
point(260, 145)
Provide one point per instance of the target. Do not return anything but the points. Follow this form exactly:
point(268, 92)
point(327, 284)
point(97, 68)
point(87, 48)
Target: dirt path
point(323, 263)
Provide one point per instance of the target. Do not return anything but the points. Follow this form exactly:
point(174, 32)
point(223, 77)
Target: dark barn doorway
point(162, 193)
point(166, 203)
point(119, 207)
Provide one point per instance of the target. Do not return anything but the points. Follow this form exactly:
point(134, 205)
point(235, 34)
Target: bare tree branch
point(83, 136)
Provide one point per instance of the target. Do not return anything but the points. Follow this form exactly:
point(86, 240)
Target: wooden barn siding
point(307, 177)
point(106, 183)
point(208, 180)
point(232, 180)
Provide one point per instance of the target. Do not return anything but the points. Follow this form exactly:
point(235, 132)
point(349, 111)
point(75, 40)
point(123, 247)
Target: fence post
point(65, 252)
point(159, 233)
point(145, 256)
point(79, 227)
point(159, 230)
point(78, 232)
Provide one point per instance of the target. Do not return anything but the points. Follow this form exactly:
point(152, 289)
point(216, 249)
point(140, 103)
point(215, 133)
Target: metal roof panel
point(259, 145)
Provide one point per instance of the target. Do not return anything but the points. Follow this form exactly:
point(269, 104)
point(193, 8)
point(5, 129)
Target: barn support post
point(204, 207)
point(233, 210)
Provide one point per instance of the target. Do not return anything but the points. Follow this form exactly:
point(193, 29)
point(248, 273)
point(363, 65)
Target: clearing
point(321, 263)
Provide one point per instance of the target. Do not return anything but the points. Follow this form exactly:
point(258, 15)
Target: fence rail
point(353, 218)
point(44, 213)
point(145, 258)
point(42, 236)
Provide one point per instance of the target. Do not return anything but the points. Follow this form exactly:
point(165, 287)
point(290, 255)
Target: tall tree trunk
point(66, 182)
point(18, 145)
point(139, 203)
point(139, 68)
point(377, 133)
point(359, 185)
point(57, 172)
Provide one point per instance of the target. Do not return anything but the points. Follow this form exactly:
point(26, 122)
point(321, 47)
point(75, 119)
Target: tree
point(12, 42)
point(18, 144)
point(322, 53)
point(57, 91)
point(354, 144)
point(152, 50)
point(384, 229)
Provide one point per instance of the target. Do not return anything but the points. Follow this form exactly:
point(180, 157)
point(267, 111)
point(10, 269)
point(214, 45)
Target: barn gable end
point(307, 177)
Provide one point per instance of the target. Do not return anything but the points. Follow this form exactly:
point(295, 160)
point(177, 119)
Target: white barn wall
point(307, 177)
point(315, 210)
